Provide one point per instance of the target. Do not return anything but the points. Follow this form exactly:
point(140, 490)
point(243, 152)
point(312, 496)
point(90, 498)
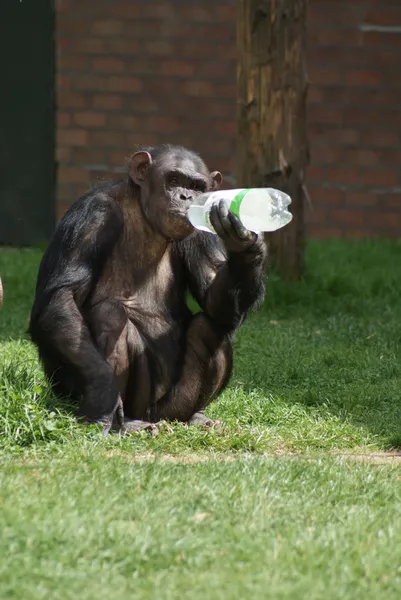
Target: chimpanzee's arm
point(226, 283)
point(68, 272)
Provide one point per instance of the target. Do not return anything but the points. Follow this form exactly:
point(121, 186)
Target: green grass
point(266, 507)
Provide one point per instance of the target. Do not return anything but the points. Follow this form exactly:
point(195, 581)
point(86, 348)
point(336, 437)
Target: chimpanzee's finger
point(216, 221)
point(224, 214)
point(241, 231)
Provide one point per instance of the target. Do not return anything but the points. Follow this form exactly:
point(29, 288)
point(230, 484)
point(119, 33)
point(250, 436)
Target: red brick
point(123, 122)
point(127, 10)
point(384, 220)
point(365, 198)
point(193, 49)
point(63, 6)
point(344, 175)
point(107, 27)
point(390, 200)
point(123, 46)
point(197, 88)
point(88, 156)
point(178, 68)
point(321, 76)
point(390, 157)
point(326, 154)
point(63, 82)
point(87, 45)
point(107, 139)
point(72, 62)
point(73, 26)
point(166, 124)
point(63, 154)
point(362, 157)
point(314, 173)
point(384, 16)
point(315, 95)
point(89, 83)
point(335, 37)
point(226, 128)
point(223, 33)
point(72, 100)
point(118, 158)
point(329, 196)
point(107, 65)
point(360, 116)
point(63, 119)
point(162, 10)
point(224, 91)
point(345, 137)
point(139, 66)
point(72, 174)
point(197, 13)
point(90, 119)
point(224, 13)
point(382, 178)
point(125, 84)
point(159, 48)
point(362, 77)
point(320, 232)
point(316, 215)
point(380, 138)
point(144, 104)
point(215, 69)
point(332, 15)
point(347, 216)
point(72, 137)
point(107, 102)
point(161, 87)
point(325, 114)
point(380, 38)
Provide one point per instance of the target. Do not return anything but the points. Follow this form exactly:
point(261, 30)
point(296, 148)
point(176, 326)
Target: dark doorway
point(27, 163)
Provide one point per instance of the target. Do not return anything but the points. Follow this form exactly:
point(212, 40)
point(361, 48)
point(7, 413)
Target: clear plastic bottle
point(259, 209)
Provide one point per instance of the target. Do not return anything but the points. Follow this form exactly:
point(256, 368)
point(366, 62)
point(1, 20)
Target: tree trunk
point(272, 89)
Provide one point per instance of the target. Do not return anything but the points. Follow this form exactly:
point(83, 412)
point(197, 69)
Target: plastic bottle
point(259, 209)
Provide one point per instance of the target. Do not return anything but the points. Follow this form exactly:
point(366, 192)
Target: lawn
point(275, 505)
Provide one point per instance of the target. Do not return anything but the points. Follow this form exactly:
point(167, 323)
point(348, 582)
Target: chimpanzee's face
point(169, 185)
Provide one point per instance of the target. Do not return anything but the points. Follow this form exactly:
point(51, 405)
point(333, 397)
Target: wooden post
point(272, 89)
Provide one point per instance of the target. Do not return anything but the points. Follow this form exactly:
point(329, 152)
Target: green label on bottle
point(236, 203)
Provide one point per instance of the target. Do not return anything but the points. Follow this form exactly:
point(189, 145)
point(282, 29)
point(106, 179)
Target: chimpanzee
point(110, 317)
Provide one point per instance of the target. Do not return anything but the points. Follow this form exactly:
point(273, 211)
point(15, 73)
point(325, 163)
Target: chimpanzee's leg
point(122, 347)
point(205, 371)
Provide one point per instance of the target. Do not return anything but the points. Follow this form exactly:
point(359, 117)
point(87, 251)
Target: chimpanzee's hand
point(229, 228)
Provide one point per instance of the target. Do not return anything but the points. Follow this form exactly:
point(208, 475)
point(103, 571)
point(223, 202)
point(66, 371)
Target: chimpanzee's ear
point(217, 179)
point(139, 165)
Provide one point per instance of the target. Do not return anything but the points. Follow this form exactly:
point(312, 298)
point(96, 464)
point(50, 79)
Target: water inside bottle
point(265, 210)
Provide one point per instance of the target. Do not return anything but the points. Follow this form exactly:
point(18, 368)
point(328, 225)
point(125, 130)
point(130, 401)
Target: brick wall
point(147, 71)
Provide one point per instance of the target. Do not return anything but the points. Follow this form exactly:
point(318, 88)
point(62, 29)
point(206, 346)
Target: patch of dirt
point(374, 457)
point(186, 459)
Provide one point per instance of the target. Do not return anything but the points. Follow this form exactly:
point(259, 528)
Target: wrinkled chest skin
point(151, 292)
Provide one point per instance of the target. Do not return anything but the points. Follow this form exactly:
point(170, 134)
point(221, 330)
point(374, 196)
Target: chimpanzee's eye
point(198, 186)
point(173, 181)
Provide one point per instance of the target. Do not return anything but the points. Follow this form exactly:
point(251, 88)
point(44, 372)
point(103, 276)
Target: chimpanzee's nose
point(186, 196)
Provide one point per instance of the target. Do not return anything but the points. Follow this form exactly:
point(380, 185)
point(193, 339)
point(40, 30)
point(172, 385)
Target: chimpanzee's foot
point(201, 420)
point(134, 426)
